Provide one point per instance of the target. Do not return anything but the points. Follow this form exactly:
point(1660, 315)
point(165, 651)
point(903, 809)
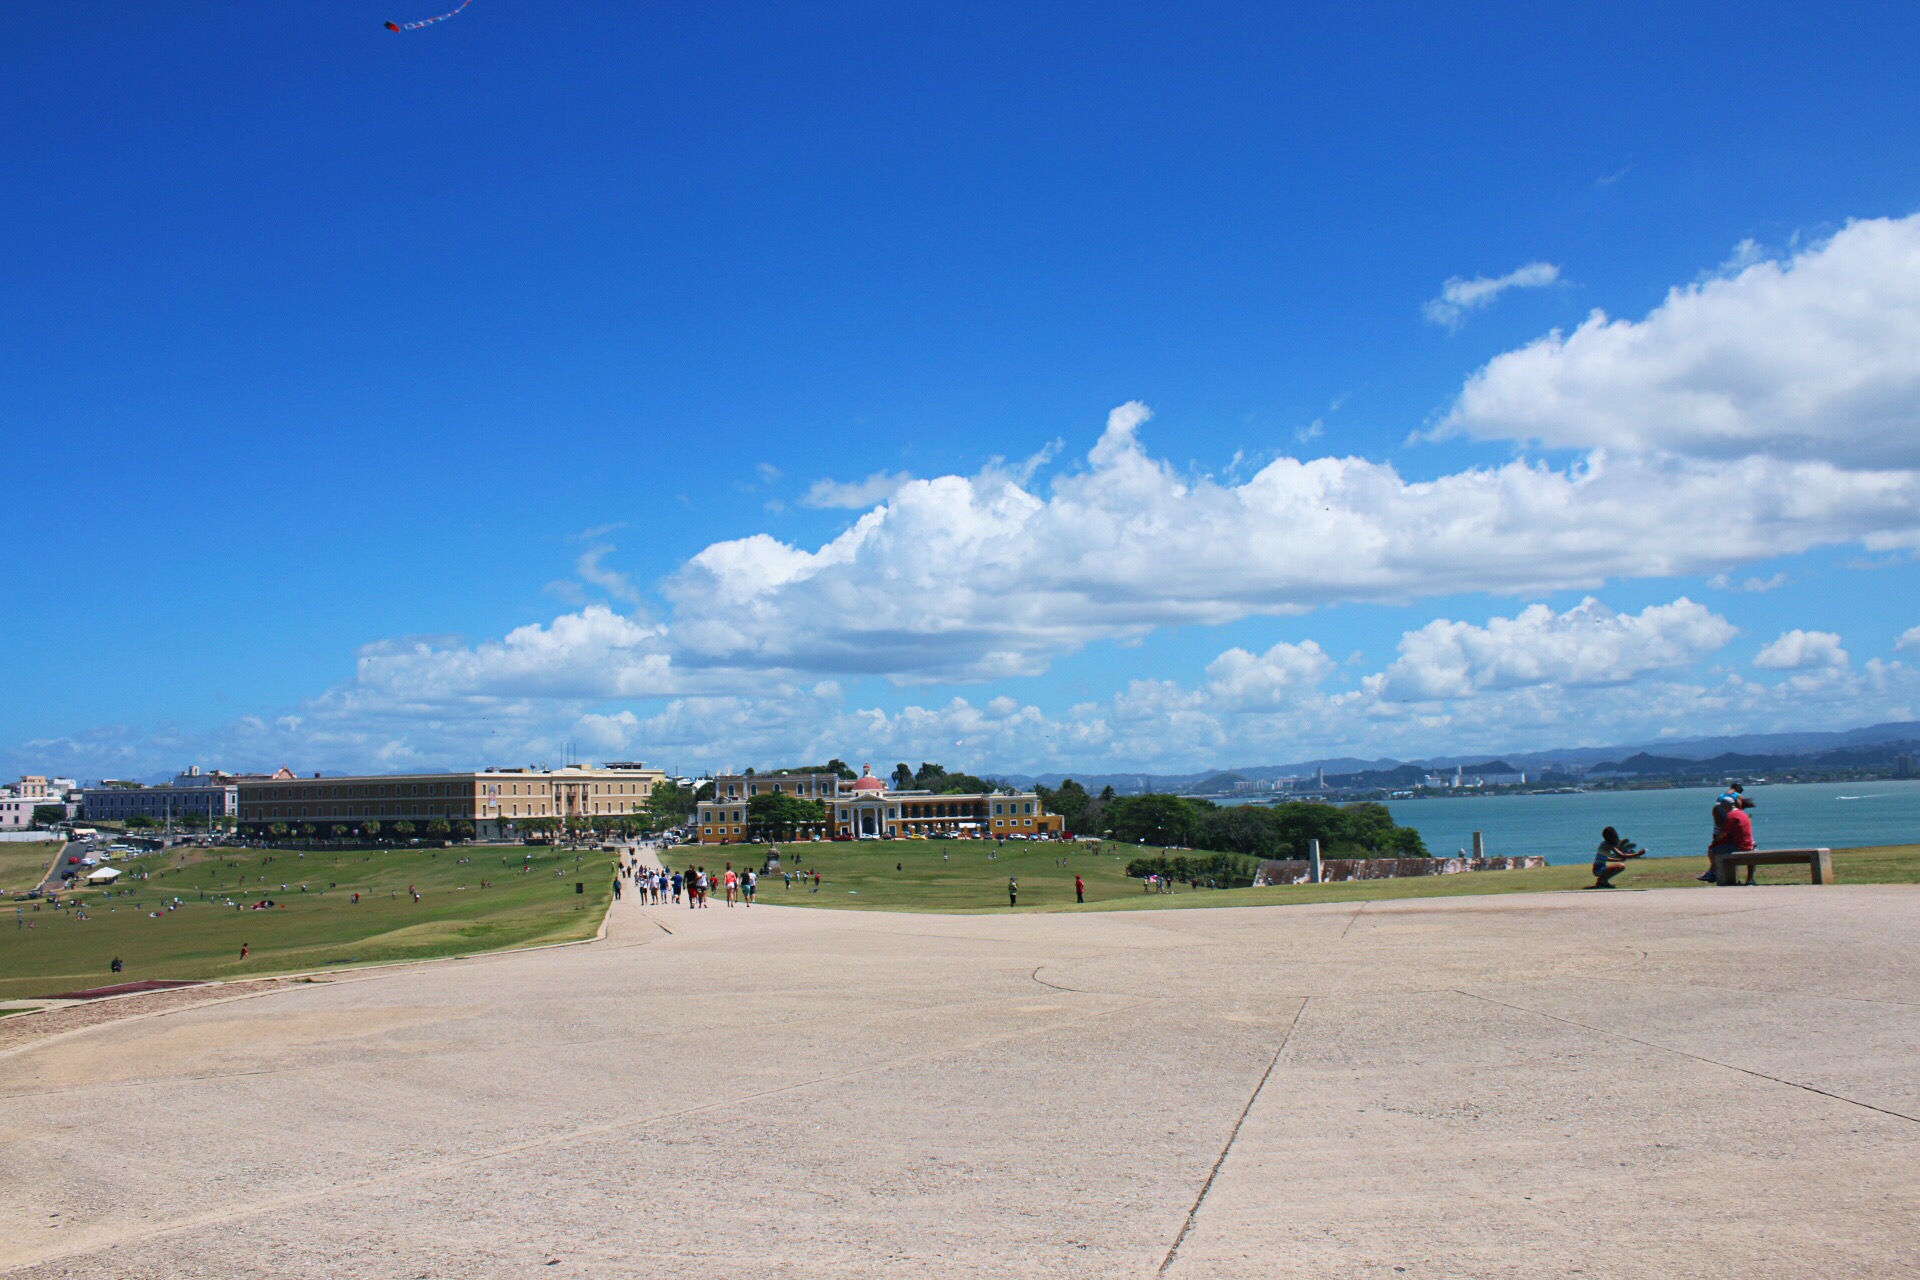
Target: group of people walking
point(662, 886)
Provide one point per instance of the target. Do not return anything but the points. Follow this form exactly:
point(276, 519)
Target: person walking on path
point(732, 884)
point(616, 888)
point(747, 884)
point(1013, 892)
point(1610, 859)
point(1079, 889)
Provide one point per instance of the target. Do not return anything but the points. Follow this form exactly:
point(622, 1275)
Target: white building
point(16, 812)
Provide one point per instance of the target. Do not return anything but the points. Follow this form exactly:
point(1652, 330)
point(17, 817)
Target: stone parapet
point(1298, 871)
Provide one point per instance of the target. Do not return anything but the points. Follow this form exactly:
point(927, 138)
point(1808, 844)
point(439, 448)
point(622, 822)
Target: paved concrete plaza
point(1668, 1084)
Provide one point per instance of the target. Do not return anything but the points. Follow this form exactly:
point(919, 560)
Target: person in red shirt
point(1079, 889)
point(1732, 833)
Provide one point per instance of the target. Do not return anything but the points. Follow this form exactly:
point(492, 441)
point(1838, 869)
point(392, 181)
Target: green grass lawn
point(323, 927)
point(971, 875)
point(316, 929)
point(24, 862)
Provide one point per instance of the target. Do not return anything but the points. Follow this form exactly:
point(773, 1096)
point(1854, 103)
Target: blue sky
point(451, 397)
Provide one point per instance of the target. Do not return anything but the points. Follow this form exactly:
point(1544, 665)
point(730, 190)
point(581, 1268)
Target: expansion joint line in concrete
point(1232, 1134)
point(1035, 976)
point(1082, 991)
point(1349, 929)
point(1682, 1053)
point(655, 920)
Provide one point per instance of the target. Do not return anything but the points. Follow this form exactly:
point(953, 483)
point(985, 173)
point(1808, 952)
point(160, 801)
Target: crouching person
point(1611, 858)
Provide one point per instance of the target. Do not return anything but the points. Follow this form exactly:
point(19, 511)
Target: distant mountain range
point(1733, 755)
point(1752, 753)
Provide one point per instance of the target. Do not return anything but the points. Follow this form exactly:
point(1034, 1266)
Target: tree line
point(1363, 829)
point(1214, 870)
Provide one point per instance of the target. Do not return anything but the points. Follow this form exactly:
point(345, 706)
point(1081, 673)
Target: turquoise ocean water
point(1565, 828)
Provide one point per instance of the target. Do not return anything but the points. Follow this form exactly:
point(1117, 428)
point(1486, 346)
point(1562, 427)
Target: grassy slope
point(24, 862)
point(202, 939)
point(861, 876)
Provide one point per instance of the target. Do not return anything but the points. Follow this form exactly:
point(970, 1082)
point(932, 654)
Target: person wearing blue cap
point(1732, 831)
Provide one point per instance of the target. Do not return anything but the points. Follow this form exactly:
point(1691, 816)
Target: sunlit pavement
point(1655, 1084)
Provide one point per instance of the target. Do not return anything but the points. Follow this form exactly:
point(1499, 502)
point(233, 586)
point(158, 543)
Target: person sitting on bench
point(1732, 833)
point(1610, 859)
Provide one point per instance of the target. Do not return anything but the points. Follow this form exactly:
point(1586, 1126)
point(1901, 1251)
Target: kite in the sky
point(427, 22)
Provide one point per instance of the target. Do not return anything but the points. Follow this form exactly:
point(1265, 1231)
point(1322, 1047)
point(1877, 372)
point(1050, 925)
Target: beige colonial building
point(741, 787)
point(496, 801)
point(868, 809)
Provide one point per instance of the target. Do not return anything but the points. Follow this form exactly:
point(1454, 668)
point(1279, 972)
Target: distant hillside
point(1736, 764)
point(1754, 753)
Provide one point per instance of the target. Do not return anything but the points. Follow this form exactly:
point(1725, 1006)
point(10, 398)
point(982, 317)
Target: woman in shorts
point(1610, 859)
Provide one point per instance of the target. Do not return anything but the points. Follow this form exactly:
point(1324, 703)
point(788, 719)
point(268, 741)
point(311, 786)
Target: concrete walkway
point(1701, 1083)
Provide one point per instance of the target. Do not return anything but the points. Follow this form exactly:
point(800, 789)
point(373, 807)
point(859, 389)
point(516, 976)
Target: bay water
point(1671, 823)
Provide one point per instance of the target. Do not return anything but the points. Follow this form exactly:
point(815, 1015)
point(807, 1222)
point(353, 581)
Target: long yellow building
point(495, 801)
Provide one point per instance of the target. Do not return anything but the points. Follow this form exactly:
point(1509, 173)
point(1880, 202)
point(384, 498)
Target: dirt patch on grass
point(125, 989)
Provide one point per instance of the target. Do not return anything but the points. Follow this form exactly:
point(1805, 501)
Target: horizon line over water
point(1672, 823)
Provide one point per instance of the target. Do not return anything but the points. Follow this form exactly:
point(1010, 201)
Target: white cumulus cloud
point(1534, 679)
point(1459, 296)
point(1725, 582)
point(977, 577)
point(1816, 356)
point(1909, 639)
point(1247, 680)
point(1589, 644)
point(854, 495)
point(594, 653)
point(1799, 650)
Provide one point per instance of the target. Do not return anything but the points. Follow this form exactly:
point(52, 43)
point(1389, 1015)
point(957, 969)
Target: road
point(51, 882)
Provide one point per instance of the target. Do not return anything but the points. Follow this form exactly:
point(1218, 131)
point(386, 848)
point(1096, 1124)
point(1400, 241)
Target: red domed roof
point(866, 781)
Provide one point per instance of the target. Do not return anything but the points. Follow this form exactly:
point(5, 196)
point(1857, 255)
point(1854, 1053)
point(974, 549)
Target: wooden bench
point(1820, 860)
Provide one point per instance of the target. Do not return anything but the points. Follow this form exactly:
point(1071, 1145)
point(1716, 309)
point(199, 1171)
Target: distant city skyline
point(1033, 390)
